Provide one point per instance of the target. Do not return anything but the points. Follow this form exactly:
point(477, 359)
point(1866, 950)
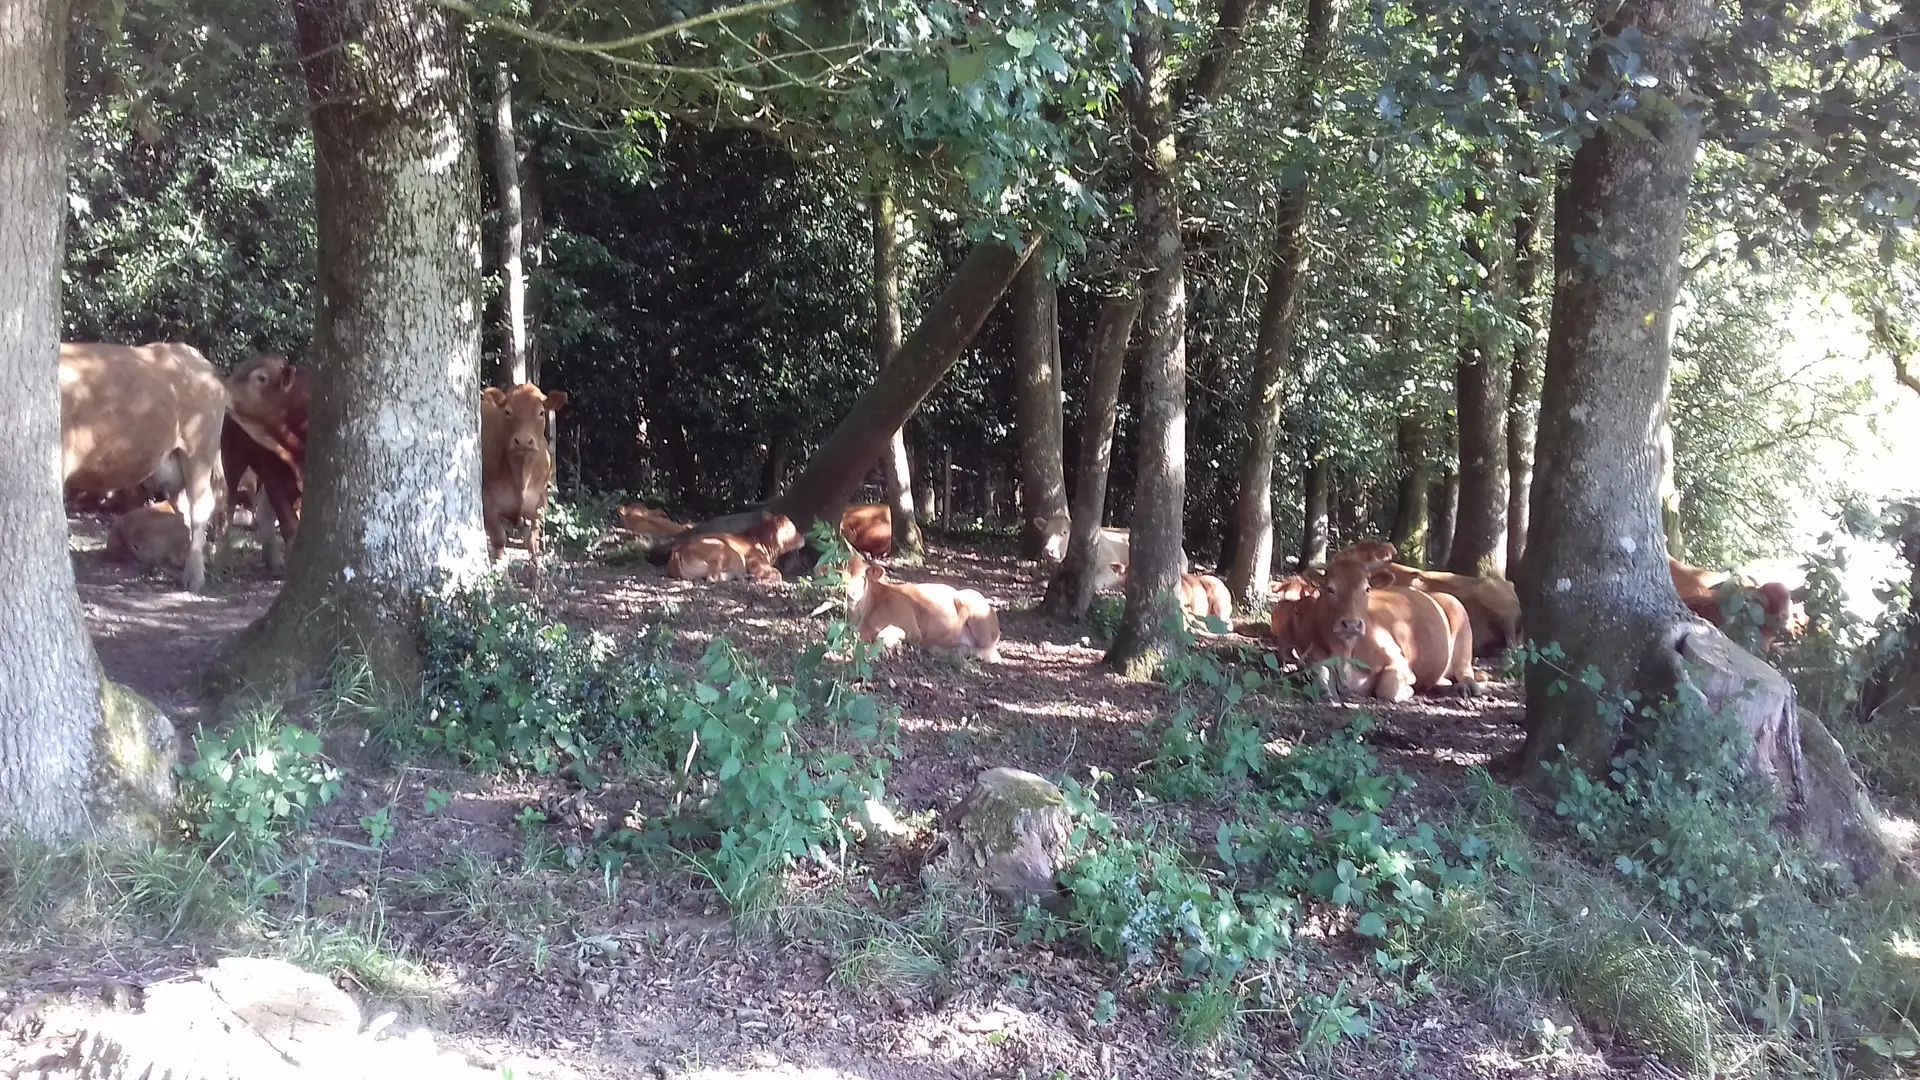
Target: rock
point(1010, 832)
point(253, 1019)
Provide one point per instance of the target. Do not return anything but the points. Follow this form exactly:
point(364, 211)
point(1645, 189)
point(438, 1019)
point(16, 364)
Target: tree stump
point(1010, 833)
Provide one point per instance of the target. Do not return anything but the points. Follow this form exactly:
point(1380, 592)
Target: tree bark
point(1891, 694)
point(1443, 507)
point(506, 178)
point(1596, 581)
point(1260, 415)
point(1523, 380)
point(836, 470)
point(77, 754)
point(1038, 407)
point(1071, 591)
point(1410, 506)
point(1480, 523)
point(393, 495)
point(1316, 492)
point(1669, 486)
point(894, 467)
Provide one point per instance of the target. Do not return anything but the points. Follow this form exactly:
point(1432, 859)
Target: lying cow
point(149, 414)
point(868, 529)
point(1200, 595)
point(515, 464)
point(643, 520)
point(1404, 639)
point(928, 615)
point(150, 536)
point(1113, 553)
point(1493, 607)
point(265, 436)
point(1711, 593)
point(725, 556)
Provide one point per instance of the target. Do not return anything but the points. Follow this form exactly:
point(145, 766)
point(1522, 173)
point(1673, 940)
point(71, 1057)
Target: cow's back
point(1418, 626)
point(125, 408)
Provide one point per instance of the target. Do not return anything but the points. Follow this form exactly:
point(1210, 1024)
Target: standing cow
point(515, 463)
point(265, 433)
point(148, 414)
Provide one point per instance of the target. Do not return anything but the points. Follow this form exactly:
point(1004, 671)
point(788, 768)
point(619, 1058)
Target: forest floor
point(642, 973)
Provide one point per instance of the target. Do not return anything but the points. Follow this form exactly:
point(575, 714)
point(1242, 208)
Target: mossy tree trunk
point(1595, 582)
point(1316, 495)
point(895, 470)
point(1261, 413)
point(1409, 533)
point(1039, 419)
point(393, 484)
point(1443, 504)
point(1523, 378)
point(1480, 520)
point(76, 753)
point(1070, 593)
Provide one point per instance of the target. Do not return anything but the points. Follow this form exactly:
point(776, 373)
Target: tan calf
point(151, 536)
point(725, 556)
point(515, 463)
point(928, 615)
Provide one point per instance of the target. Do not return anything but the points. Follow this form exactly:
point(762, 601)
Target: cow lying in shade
point(929, 615)
point(1493, 607)
point(1403, 639)
point(151, 536)
point(643, 520)
point(868, 529)
point(725, 556)
point(1200, 595)
point(1711, 594)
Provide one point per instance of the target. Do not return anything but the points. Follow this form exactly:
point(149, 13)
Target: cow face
point(525, 408)
point(262, 388)
point(859, 574)
point(1340, 612)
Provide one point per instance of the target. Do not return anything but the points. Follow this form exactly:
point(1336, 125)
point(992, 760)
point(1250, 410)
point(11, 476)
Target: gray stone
point(1010, 833)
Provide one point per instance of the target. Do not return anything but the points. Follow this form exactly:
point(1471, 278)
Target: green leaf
point(965, 68)
point(1372, 925)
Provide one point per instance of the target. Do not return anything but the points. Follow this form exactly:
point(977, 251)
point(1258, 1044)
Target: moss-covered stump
point(135, 750)
point(1010, 833)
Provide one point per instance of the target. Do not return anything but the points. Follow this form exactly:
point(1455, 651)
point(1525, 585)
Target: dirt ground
point(586, 974)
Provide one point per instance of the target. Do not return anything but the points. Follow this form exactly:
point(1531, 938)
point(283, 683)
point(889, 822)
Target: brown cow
point(939, 616)
point(1407, 639)
point(643, 520)
point(1200, 595)
point(150, 536)
point(149, 414)
point(868, 529)
point(266, 434)
point(1492, 605)
point(724, 556)
point(515, 464)
point(1709, 594)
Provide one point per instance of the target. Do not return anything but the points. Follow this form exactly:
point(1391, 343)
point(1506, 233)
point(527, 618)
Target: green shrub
point(248, 789)
point(572, 525)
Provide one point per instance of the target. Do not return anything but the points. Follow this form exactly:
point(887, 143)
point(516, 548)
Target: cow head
point(525, 408)
point(776, 534)
point(1785, 617)
point(1340, 611)
point(860, 573)
point(264, 388)
point(1056, 528)
point(1293, 602)
point(1376, 551)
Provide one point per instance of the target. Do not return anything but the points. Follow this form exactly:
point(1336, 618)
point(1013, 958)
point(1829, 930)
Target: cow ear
point(1314, 576)
point(286, 375)
point(556, 401)
point(1118, 568)
point(1380, 579)
point(493, 395)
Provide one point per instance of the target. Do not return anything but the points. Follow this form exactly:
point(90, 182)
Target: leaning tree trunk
point(506, 178)
point(1523, 380)
point(894, 467)
point(1070, 593)
point(1480, 522)
point(1316, 490)
point(1596, 581)
point(1038, 407)
point(1156, 559)
point(1260, 415)
point(1410, 505)
point(77, 754)
point(835, 471)
point(393, 495)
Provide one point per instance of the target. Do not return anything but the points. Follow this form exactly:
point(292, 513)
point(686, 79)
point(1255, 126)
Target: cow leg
point(1394, 685)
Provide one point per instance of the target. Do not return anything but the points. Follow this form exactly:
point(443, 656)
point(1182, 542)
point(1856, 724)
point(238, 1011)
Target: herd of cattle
point(157, 420)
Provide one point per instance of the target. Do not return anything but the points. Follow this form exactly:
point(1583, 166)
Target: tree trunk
point(77, 754)
point(1480, 524)
point(1038, 408)
point(926, 502)
point(894, 467)
point(773, 470)
point(1443, 502)
point(1160, 472)
point(1410, 505)
point(837, 469)
point(1669, 487)
point(393, 484)
point(1891, 695)
point(1316, 489)
point(1261, 413)
point(1070, 593)
point(1523, 381)
point(506, 178)
point(946, 486)
point(1596, 581)
point(534, 254)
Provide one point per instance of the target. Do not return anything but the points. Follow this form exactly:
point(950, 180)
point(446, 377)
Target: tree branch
point(603, 48)
point(1209, 78)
